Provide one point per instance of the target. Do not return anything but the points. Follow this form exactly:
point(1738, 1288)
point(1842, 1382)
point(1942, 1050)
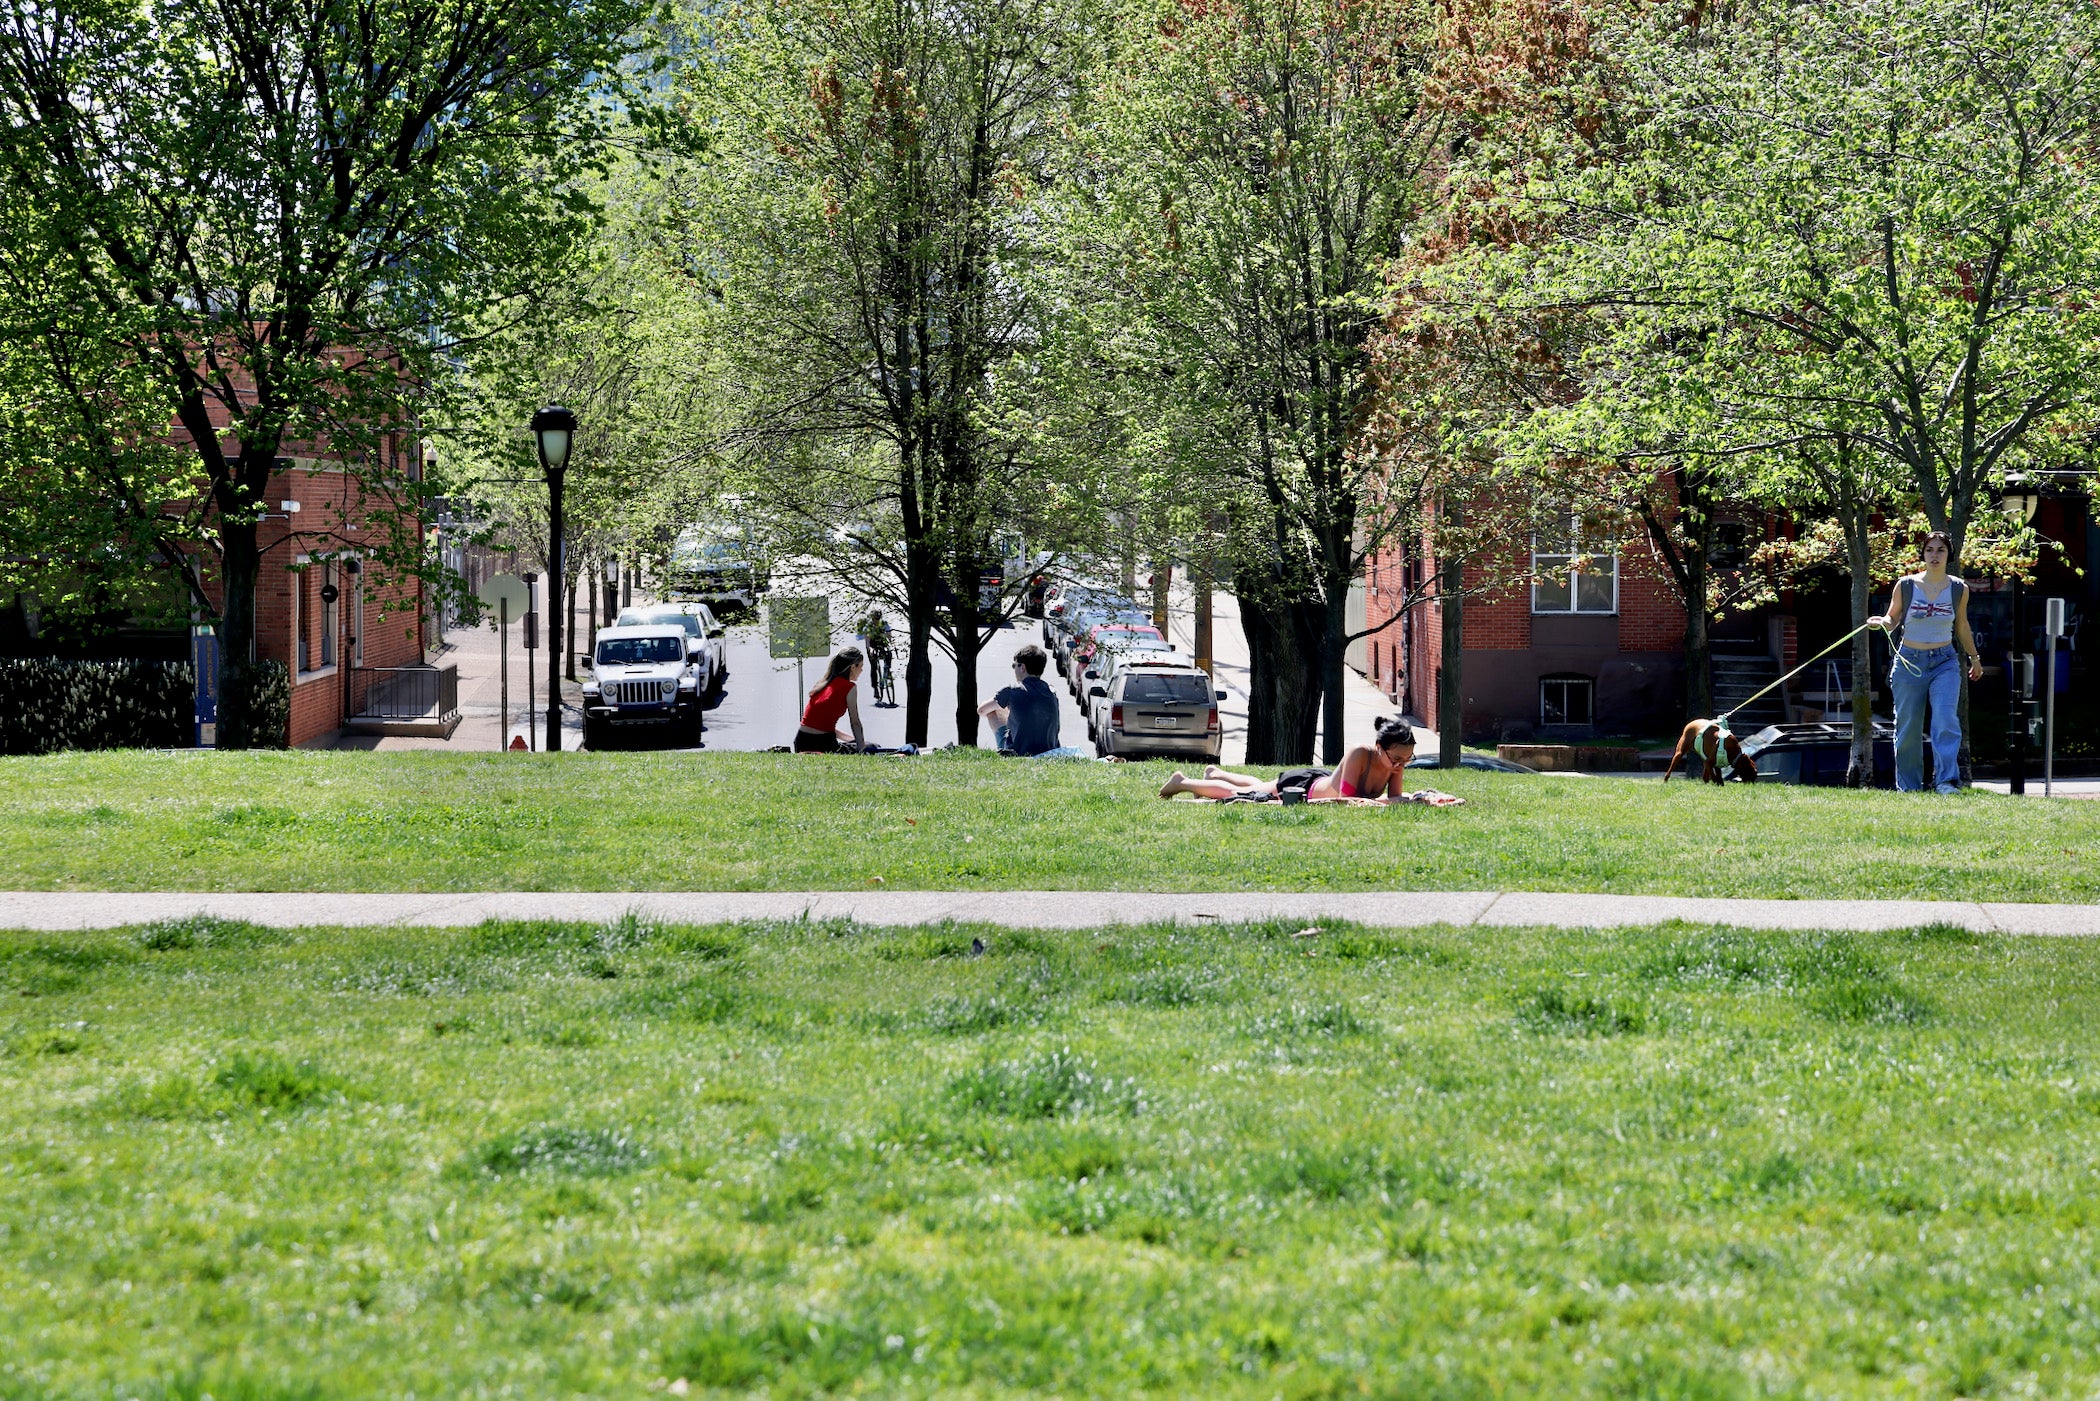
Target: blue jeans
point(1918, 677)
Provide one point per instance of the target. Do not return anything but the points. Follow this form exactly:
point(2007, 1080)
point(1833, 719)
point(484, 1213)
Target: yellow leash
point(1726, 715)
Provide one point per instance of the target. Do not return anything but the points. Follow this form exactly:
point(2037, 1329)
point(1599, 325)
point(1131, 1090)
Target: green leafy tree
point(1257, 169)
point(279, 210)
point(866, 235)
point(1840, 229)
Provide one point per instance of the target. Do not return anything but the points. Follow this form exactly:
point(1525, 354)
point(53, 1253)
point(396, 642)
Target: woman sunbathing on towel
point(1370, 772)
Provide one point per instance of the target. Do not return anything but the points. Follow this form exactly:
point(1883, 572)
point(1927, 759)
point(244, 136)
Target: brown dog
point(1710, 739)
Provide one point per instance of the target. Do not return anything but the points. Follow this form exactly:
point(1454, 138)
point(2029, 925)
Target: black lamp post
point(2021, 498)
point(554, 427)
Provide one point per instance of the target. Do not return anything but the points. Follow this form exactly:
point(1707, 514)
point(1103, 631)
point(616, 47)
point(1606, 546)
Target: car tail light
point(1213, 726)
point(1115, 717)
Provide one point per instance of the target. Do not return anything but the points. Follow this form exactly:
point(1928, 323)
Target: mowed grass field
point(533, 1160)
point(968, 820)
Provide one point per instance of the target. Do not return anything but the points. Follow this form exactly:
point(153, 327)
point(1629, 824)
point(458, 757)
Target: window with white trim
point(1574, 569)
point(314, 616)
point(1567, 700)
point(329, 590)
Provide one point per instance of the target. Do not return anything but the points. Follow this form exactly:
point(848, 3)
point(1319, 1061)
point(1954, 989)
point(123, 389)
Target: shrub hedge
point(47, 705)
point(273, 705)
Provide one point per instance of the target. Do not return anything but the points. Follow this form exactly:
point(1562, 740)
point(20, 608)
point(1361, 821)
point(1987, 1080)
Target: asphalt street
point(762, 701)
point(762, 704)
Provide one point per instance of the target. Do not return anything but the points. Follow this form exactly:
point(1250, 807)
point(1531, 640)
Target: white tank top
point(1930, 621)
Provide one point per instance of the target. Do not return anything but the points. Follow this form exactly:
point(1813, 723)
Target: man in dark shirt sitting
point(1026, 712)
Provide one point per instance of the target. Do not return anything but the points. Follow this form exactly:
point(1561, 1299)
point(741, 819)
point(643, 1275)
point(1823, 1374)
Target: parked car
point(643, 684)
point(1080, 616)
point(703, 633)
point(1108, 659)
point(724, 569)
point(1111, 634)
point(1152, 709)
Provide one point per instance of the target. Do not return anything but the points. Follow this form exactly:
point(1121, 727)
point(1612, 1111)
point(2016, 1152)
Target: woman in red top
point(818, 733)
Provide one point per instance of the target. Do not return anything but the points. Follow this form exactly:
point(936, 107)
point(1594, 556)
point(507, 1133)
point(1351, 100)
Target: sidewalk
point(1055, 909)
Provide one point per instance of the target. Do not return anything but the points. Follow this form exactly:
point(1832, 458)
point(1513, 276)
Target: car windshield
point(638, 651)
point(1145, 688)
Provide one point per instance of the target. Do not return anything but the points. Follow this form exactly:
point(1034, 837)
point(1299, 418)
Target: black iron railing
point(405, 692)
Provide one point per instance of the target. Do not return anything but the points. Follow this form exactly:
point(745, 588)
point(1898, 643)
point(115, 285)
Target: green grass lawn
point(435, 821)
point(538, 1161)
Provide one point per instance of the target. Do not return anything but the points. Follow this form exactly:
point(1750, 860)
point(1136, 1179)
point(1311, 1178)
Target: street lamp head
point(2021, 497)
point(555, 429)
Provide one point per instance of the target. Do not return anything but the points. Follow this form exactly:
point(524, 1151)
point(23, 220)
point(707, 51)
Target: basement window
point(1567, 700)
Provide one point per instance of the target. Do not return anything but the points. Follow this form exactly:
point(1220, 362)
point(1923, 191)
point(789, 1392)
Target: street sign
point(507, 597)
point(798, 627)
point(499, 587)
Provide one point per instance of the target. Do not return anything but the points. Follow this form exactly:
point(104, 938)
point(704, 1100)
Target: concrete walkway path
point(1056, 909)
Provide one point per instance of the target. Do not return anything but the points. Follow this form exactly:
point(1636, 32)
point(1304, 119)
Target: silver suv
point(643, 683)
point(1160, 710)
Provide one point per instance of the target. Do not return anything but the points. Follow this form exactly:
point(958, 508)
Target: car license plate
point(1166, 722)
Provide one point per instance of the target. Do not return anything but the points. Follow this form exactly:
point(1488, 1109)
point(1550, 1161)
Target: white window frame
point(1585, 681)
point(301, 672)
point(356, 618)
point(1551, 561)
point(331, 644)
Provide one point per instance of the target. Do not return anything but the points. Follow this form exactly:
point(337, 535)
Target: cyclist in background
point(875, 630)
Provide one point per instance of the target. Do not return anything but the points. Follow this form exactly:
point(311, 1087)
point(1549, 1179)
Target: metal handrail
point(405, 692)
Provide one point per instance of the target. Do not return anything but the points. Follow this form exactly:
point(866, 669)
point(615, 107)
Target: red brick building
point(1603, 654)
point(1595, 650)
point(324, 607)
point(343, 626)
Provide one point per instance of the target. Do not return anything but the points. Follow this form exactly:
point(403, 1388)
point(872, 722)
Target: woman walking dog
point(1932, 609)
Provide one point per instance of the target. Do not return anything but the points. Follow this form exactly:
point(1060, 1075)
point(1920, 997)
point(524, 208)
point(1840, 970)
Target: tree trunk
point(967, 649)
point(241, 566)
point(1698, 640)
point(1334, 632)
point(1283, 693)
point(595, 604)
point(918, 665)
point(1859, 768)
point(568, 659)
point(1698, 655)
point(1200, 581)
point(1450, 675)
point(1162, 583)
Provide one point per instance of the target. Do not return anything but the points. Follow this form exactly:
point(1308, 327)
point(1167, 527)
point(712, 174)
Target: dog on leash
point(1712, 741)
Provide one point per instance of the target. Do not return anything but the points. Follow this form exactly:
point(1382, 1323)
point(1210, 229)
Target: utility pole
point(1199, 579)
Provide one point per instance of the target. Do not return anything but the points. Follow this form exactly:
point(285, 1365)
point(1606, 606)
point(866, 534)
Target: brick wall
point(1634, 655)
point(336, 521)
